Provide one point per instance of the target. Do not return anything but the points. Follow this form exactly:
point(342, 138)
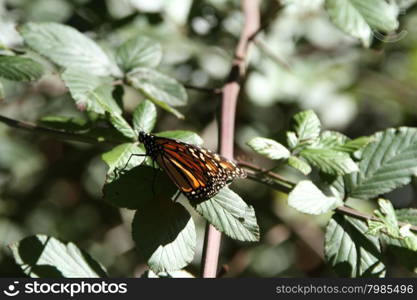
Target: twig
point(214, 91)
point(357, 214)
point(60, 134)
point(273, 184)
point(230, 95)
point(289, 184)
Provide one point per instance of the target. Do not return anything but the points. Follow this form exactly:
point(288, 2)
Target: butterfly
point(197, 172)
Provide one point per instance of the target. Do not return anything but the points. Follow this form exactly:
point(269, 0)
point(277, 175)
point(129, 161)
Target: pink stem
point(231, 91)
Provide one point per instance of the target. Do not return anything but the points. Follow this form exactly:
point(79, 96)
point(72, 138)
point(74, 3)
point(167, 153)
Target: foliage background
point(301, 61)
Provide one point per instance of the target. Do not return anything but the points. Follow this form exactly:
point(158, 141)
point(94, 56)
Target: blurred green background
point(300, 61)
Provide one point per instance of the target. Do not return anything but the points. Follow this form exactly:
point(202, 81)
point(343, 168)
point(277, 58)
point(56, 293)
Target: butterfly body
point(197, 172)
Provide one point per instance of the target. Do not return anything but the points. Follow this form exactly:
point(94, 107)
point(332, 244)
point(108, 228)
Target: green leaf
point(81, 84)
point(329, 161)
point(307, 198)
point(165, 236)
point(144, 116)
point(71, 124)
point(164, 91)
point(407, 215)
point(359, 18)
point(350, 251)
point(95, 94)
point(137, 187)
point(387, 163)
point(299, 164)
point(19, 68)
point(354, 145)
point(231, 215)
point(269, 148)
point(124, 157)
point(139, 52)
point(306, 125)
point(68, 48)
point(338, 142)
point(122, 126)
point(185, 136)
point(44, 256)
point(387, 224)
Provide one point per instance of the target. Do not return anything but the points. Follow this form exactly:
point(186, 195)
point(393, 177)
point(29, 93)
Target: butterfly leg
point(176, 196)
point(118, 171)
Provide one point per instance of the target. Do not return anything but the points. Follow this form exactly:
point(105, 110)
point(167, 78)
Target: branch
point(60, 134)
point(203, 89)
point(230, 95)
point(359, 215)
point(286, 186)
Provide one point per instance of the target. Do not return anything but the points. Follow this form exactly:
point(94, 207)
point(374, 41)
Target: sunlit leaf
point(231, 215)
point(164, 91)
point(68, 48)
point(389, 162)
point(139, 52)
point(269, 148)
point(307, 198)
point(144, 116)
point(306, 125)
point(359, 18)
point(45, 256)
point(299, 164)
point(329, 161)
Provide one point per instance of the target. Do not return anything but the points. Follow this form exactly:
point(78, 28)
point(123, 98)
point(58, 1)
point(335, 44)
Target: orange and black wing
point(197, 172)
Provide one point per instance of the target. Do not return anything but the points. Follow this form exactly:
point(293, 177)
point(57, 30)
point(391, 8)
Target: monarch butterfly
point(197, 172)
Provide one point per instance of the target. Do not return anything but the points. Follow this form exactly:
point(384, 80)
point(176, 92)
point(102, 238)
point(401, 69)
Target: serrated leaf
point(164, 234)
point(354, 145)
point(269, 148)
point(124, 157)
point(138, 52)
point(122, 126)
point(299, 164)
point(81, 84)
point(95, 94)
point(137, 187)
point(164, 91)
point(144, 116)
point(350, 251)
point(19, 68)
point(329, 161)
point(45, 257)
point(387, 224)
point(68, 48)
point(185, 136)
point(407, 215)
point(307, 198)
point(231, 215)
point(387, 163)
point(359, 18)
point(306, 125)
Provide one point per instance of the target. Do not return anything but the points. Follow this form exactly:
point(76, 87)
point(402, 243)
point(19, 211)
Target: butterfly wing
point(197, 172)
